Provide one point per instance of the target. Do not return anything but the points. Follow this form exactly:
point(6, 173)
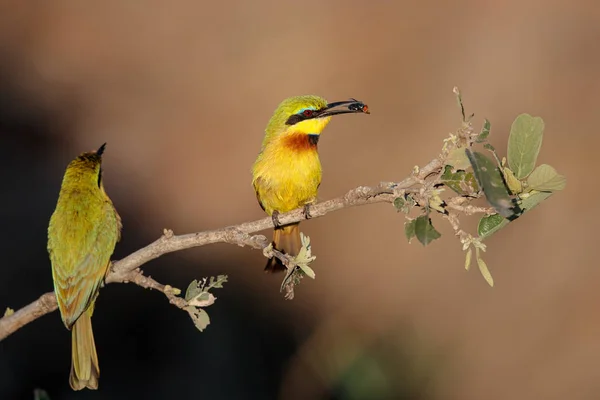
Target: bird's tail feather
point(84, 364)
point(286, 239)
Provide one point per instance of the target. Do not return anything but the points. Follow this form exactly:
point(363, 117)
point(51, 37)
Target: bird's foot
point(275, 218)
point(306, 211)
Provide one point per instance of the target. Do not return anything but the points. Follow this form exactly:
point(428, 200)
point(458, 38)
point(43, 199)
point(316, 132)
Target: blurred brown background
point(181, 91)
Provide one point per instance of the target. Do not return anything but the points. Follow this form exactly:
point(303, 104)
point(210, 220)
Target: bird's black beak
point(352, 106)
point(101, 150)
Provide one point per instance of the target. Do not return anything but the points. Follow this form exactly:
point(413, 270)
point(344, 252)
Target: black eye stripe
point(295, 118)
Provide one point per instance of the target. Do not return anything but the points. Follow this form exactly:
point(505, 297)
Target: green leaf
point(202, 319)
point(305, 254)
point(197, 287)
point(490, 224)
point(460, 181)
point(485, 132)
point(545, 178)
point(514, 185)
point(216, 283)
point(404, 204)
point(8, 312)
point(199, 316)
point(485, 271)
point(204, 296)
point(533, 199)
point(409, 229)
point(424, 230)
point(304, 257)
point(307, 270)
point(435, 201)
point(490, 180)
point(489, 147)
point(524, 143)
point(458, 159)
point(398, 203)
point(193, 290)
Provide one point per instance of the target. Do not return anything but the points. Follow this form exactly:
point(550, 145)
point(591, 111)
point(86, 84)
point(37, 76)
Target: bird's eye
point(307, 113)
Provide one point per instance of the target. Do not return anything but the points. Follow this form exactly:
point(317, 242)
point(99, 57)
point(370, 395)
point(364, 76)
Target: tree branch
point(421, 190)
point(127, 269)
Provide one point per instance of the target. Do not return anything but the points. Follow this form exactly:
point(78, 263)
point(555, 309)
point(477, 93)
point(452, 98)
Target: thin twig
point(136, 276)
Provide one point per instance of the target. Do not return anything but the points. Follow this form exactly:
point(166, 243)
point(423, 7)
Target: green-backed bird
point(287, 172)
point(82, 235)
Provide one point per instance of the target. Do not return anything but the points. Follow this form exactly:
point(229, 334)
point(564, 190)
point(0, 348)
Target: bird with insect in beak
point(82, 235)
point(287, 172)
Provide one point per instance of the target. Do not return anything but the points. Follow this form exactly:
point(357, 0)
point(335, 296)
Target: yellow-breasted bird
point(82, 235)
point(287, 172)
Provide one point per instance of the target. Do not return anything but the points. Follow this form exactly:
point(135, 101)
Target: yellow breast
point(287, 173)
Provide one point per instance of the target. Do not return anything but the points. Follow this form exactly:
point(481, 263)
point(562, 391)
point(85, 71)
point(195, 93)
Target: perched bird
point(82, 235)
point(287, 172)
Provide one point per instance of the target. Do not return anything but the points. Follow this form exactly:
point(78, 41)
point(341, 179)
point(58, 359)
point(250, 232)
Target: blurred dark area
point(134, 324)
point(182, 91)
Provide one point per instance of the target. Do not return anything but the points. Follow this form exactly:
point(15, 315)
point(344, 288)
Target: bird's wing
point(258, 184)
point(80, 260)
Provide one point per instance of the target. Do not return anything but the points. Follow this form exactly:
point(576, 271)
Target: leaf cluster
point(512, 185)
point(198, 296)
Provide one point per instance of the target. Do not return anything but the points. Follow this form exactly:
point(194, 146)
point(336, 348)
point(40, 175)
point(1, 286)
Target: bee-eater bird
point(287, 172)
point(82, 235)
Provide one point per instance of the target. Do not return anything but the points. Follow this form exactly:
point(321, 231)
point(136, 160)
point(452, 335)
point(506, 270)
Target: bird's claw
point(306, 211)
point(275, 218)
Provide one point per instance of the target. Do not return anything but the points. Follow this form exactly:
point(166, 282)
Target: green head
point(308, 114)
point(85, 171)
